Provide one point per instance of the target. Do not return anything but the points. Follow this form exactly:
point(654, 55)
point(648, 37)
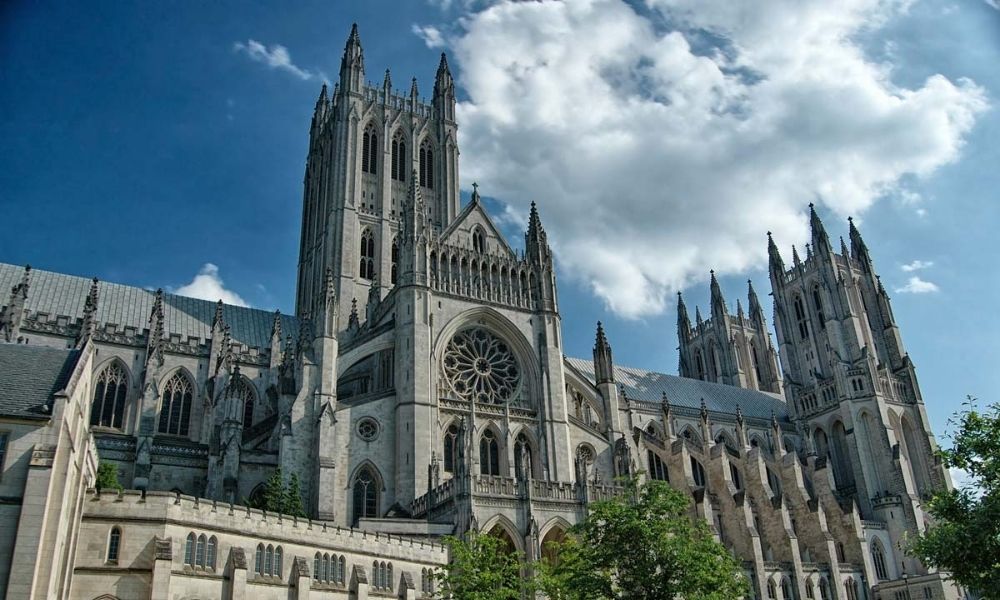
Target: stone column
point(359, 583)
point(162, 563)
point(300, 578)
point(238, 575)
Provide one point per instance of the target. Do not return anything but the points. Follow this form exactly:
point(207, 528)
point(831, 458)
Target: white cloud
point(661, 145)
point(994, 3)
point(208, 285)
point(916, 285)
point(429, 34)
point(917, 265)
point(275, 57)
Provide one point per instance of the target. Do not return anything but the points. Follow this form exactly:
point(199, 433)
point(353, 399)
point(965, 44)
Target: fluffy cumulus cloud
point(275, 57)
point(916, 285)
point(208, 285)
point(663, 143)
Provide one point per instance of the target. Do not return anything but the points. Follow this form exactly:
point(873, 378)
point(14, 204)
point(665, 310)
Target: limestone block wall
point(151, 559)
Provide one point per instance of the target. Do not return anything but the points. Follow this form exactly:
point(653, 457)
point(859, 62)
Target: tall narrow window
point(522, 456)
point(114, 544)
point(478, 241)
point(210, 553)
point(734, 474)
point(108, 409)
point(258, 564)
point(426, 165)
point(367, 270)
point(189, 550)
point(365, 495)
point(395, 261)
point(657, 470)
point(697, 472)
point(818, 302)
point(451, 449)
point(398, 157)
point(369, 151)
point(316, 564)
point(756, 365)
point(276, 571)
point(175, 409)
point(699, 364)
point(341, 569)
point(199, 553)
point(800, 316)
point(243, 390)
point(878, 557)
point(489, 454)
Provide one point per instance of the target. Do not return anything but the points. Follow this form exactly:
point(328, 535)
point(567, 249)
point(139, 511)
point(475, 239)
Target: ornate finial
point(475, 192)
point(739, 415)
point(664, 401)
point(352, 320)
point(217, 321)
point(276, 326)
point(704, 410)
point(774, 419)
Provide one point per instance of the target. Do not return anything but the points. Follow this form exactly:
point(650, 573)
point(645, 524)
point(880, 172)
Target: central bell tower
point(367, 145)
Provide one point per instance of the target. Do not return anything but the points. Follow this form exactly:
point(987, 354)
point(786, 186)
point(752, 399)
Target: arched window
point(316, 564)
point(657, 470)
point(369, 150)
point(114, 544)
point(175, 409)
point(522, 456)
point(451, 449)
point(199, 554)
point(489, 454)
point(818, 303)
point(276, 571)
point(800, 316)
point(478, 240)
point(698, 472)
point(341, 570)
point(394, 255)
point(824, 590)
point(810, 590)
point(773, 482)
point(699, 364)
point(851, 587)
point(716, 369)
point(243, 390)
point(210, 552)
point(772, 590)
point(258, 563)
point(786, 591)
point(189, 550)
point(268, 560)
point(734, 474)
point(367, 267)
point(398, 157)
point(426, 165)
point(756, 365)
point(108, 409)
point(878, 557)
point(365, 495)
point(388, 577)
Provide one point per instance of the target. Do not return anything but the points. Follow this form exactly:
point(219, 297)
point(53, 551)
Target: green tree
point(273, 498)
point(292, 504)
point(642, 546)
point(107, 477)
point(965, 536)
point(483, 567)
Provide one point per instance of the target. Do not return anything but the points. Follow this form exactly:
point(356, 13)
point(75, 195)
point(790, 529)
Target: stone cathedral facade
point(421, 389)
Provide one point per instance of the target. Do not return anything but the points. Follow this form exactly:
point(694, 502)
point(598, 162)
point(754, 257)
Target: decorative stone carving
point(480, 366)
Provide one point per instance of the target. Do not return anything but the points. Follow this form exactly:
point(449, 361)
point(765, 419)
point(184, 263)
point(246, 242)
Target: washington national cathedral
point(421, 389)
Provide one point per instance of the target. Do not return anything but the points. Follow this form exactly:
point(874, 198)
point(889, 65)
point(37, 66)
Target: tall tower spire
point(719, 310)
point(683, 321)
point(603, 362)
point(444, 91)
point(536, 243)
point(352, 65)
point(775, 263)
point(820, 240)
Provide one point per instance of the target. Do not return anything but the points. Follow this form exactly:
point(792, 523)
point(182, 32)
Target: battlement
point(201, 513)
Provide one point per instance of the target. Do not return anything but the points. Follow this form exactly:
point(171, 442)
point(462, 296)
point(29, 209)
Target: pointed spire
point(387, 84)
point(321, 104)
point(777, 265)
point(719, 310)
point(414, 93)
point(352, 64)
point(843, 248)
point(276, 326)
point(754, 302)
point(217, 321)
point(859, 250)
point(704, 411)
point(697, 318)
point(352, 319)
point(820, 240)
point(795, 257)
point(683, 322)
point(154, 345)
point(89, 325)
point(739, 311)
point(603, 361)
point(536, 242)
point(444, 91)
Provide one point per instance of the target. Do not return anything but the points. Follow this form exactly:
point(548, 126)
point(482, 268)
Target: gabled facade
point(422, 389)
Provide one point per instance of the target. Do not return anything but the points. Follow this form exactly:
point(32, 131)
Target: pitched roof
point(57, 294)
point(649, 386)
point(30, 376)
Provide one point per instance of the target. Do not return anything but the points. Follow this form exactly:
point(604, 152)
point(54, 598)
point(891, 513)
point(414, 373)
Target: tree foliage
point(642, 546)
point(280, 497)
point(965, 536)
point(482, 567)
point(107, 477)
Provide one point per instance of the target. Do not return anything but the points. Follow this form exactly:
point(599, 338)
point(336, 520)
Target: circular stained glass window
point(368, 429)
point(480, 366)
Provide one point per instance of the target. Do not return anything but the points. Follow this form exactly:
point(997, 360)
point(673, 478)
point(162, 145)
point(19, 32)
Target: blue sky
point(144, 140)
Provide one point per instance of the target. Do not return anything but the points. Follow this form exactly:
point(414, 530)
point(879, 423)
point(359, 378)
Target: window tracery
point(480, 366)
point(426, 165)
point(367, 266)
point(110, 393)
point(175, 409)
point(398, 157)
point(369, 150)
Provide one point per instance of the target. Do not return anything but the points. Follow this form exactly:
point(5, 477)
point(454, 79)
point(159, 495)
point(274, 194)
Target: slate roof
point(649, 386)
point(57, 294)
point(30, 376)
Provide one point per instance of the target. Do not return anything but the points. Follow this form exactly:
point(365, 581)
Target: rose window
point(480, 366)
